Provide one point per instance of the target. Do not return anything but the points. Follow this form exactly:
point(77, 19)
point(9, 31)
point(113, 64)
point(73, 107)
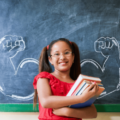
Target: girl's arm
point(87, 112)
point(48, 100)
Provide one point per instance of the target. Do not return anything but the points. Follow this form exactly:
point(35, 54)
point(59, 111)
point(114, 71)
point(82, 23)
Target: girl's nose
point(62, 56)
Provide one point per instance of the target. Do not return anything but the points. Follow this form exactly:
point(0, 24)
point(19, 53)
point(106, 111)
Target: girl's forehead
point(60, 46)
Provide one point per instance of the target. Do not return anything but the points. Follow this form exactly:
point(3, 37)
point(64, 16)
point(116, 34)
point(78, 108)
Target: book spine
point(73, 87)
point(80, 89)
point(76, 88)
point(82, 83)
point(86, 85)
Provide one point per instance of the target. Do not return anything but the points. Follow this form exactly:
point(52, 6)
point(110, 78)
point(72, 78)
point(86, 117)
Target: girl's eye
point(56, 54)
point(67, 53)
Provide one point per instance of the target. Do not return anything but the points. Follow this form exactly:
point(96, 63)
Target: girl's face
point(61, 56)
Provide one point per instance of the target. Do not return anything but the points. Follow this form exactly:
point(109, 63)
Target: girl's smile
point(63, 63)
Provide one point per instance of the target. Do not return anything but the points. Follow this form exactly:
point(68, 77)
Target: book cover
point(85, 104)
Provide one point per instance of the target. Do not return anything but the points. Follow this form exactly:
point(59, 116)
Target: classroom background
point(28, 25)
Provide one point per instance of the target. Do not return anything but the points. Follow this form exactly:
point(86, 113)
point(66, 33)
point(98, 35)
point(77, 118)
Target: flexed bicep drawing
point(109, 48)
point(17, 78)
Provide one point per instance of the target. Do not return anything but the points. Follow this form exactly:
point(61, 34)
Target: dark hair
point(44, 62)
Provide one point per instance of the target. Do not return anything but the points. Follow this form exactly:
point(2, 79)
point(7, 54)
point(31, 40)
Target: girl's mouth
point(63, 63)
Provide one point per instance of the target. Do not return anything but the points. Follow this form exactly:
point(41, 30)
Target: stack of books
point(80, 85)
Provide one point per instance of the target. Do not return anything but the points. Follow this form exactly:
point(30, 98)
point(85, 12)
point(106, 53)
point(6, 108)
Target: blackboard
point(28, 25)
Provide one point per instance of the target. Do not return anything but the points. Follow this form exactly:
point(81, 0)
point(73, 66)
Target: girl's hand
point(60, 111)
point(90, 91)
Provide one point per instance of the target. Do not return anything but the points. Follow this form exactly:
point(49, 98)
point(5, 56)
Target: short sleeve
point(40, 75)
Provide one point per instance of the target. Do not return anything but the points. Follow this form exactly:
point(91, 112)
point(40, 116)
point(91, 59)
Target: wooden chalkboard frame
point(29, 108)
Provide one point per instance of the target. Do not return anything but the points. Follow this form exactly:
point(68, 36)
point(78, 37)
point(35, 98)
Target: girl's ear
point(50, 60)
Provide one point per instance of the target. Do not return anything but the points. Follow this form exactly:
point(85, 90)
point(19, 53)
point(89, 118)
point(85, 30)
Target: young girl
point(52, 87)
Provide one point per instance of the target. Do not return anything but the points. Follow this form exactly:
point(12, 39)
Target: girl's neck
point(63, 76)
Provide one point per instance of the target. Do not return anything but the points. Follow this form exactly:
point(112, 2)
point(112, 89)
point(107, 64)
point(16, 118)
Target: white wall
point(34, 116)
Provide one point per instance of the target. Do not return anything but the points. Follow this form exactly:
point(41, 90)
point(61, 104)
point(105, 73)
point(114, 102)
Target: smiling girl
point(52, 87)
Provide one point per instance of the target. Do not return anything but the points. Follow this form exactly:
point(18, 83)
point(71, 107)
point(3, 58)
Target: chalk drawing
point(100, 45)
point(10, 43)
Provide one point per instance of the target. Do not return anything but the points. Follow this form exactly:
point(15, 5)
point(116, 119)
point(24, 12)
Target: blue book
point(85, 104)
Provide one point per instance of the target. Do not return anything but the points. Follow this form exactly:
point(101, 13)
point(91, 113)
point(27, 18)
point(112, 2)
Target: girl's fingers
point(97, 87)
point(94, 88)
point(91, 87)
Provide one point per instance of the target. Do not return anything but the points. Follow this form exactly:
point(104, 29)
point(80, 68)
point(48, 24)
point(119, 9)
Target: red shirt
point(58, 88)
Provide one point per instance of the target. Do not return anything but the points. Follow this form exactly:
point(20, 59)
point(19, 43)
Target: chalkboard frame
point(29, 108)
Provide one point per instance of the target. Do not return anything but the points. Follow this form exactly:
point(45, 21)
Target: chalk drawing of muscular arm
point(108, 47)
point(11, 45)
